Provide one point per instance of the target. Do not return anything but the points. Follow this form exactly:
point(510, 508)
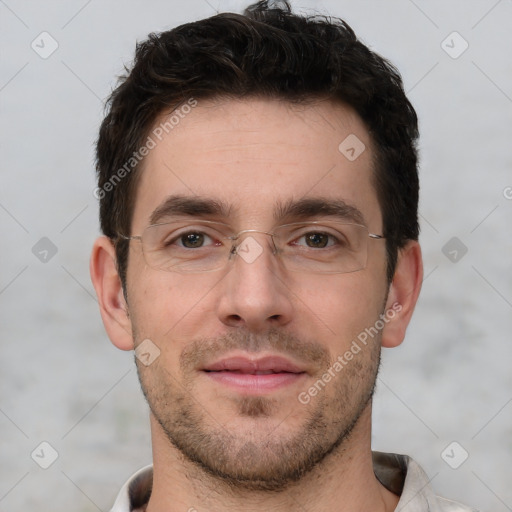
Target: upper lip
point(276, 364)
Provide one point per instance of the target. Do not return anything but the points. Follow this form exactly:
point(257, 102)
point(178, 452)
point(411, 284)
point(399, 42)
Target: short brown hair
point(267, 52)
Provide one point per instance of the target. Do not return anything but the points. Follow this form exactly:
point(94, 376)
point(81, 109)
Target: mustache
point(201, 351)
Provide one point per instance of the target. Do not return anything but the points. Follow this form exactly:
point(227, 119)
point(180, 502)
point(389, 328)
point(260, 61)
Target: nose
point(254, 293)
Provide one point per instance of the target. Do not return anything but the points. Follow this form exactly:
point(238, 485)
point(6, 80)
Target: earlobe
point(106, 282)
point(403, 294)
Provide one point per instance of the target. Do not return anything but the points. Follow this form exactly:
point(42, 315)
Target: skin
point(263, 451)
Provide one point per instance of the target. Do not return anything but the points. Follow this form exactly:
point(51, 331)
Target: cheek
point(169, 307)
point(339, 307)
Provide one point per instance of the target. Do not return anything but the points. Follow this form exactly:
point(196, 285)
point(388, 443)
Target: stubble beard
point(266, 457)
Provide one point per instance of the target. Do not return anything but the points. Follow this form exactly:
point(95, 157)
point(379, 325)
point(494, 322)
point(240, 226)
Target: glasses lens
point(185, 247)
point(330, 248)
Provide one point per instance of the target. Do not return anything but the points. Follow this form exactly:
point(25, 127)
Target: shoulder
point(403, 476)
point(135, 492)
point(446, 505)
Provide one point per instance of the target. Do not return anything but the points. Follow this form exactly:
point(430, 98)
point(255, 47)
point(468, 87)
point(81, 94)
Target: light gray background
point(64, 383)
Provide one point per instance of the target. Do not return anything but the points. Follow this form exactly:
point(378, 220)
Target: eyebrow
point(301, 209)
point(179, 205)
point(308, 207)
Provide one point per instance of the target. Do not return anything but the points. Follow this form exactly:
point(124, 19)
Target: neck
point(344, 481)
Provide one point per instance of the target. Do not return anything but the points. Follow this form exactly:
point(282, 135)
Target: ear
point(403, 293)
point(106, 281)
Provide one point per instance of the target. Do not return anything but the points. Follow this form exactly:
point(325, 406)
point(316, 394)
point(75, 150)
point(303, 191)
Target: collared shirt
point(398, 473)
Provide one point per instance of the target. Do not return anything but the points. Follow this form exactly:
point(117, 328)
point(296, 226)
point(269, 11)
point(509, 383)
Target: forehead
point(254, 155)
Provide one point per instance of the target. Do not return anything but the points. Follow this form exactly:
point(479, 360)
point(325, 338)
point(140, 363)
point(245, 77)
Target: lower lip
point(255, 383)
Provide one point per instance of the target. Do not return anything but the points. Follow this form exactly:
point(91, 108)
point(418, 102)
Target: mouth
point(255, 376)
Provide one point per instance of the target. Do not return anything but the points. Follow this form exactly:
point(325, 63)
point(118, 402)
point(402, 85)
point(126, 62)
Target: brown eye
point(192, 240)
point(317, 240)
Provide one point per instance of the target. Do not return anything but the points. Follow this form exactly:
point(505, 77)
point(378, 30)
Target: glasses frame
point(233, 238)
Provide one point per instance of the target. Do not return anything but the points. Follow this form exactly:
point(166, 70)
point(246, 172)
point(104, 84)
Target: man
point(258, 189)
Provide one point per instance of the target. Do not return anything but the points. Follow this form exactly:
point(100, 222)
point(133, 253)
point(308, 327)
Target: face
point(243, 348)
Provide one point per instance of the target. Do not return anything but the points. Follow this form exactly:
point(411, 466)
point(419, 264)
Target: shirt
point(398, 473)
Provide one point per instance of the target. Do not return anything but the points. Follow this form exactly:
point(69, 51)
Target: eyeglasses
point(203, 246)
